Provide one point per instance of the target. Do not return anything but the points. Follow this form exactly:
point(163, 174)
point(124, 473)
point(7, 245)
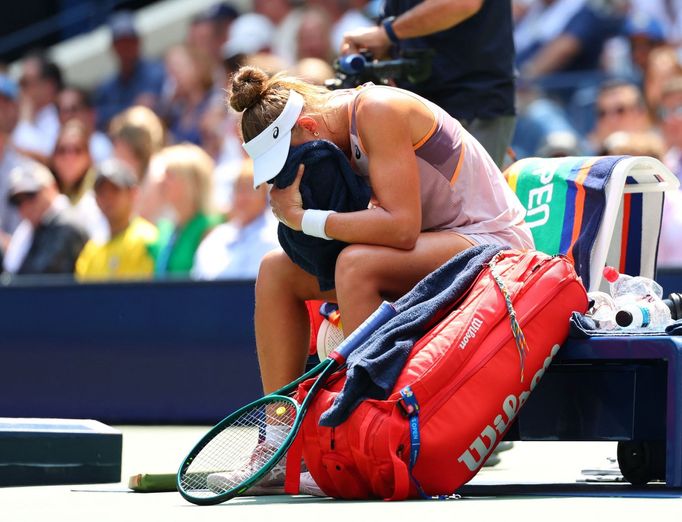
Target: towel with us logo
point(565, 200)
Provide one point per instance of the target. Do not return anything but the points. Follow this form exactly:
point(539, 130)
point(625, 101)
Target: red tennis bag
point(462, 386)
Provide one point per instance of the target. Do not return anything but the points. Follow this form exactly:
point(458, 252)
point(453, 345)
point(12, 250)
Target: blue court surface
point(534, 481)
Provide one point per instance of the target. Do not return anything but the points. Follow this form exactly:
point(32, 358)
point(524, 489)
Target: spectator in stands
point(137, 82)
point(285, 15)
point(664, 63)
point(313, 70)
point(620, 107)
point(190, 81)
point(566, 35)
point(668, 13)
point(38, 125)
point(207, 34)
point(346, 16)
point(645, 34)
point(9, 157)
point(234, 249)
point(75, 174)
point(670, 114)
point(186, 188)
point(251, 33)
point(49, 238)
point(312, 37)
point(127, 254)
point(137, 134)
point(75, 103)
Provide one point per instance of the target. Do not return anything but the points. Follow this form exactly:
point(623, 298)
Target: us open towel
point(565, 200)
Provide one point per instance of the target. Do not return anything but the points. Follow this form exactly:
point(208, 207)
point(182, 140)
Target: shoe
point(271, 484)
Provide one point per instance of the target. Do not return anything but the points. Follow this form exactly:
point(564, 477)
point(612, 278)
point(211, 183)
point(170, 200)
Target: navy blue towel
point(328, 183)
point(374, 368)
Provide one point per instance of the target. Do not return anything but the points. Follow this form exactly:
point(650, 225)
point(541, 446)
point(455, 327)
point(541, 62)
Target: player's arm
point(395, 221)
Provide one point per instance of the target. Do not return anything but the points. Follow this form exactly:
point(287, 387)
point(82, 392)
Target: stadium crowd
point(144, 175)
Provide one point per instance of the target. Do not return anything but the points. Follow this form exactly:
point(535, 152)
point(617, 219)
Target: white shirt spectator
point(40, 134)
point(233, 252)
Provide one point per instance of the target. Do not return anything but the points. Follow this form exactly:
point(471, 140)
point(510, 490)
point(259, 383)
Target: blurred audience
point(207, 34)
point(312, 36)
point(566, 35)
point(188, 94)
point(234, 249)
point(49, 238)
point(38, 125)
point(346, 15)
point(137, 134)
point(75, 103)
point(670, 113)
point(127, 254)
point(74, 171)
point(186, 189)
point(9, 157)
point(285, 16)
point(620, 107)
point(137, 82)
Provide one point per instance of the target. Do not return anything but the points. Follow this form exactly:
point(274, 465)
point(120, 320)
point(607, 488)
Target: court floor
point(148, 449)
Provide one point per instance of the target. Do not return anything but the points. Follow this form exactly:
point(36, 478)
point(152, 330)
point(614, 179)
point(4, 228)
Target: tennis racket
point(234, 455)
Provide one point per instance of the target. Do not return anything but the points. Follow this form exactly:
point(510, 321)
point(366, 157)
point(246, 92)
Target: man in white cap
point(48, 239)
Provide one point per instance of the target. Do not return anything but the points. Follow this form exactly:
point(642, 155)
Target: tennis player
point(435, 190)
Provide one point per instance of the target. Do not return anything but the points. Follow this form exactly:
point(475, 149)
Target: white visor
point(269, 150)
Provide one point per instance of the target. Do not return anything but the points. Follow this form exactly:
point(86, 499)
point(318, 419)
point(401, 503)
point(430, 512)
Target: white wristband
point(313, 222)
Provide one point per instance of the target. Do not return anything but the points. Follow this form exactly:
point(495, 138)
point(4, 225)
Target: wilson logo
point(474, 327)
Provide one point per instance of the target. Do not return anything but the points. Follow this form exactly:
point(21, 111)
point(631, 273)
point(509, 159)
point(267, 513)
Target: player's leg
point(281, 319)
point(368, 274)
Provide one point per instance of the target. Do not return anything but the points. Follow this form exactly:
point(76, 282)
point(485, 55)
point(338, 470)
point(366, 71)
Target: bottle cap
point(624, 318)
point(610, 274)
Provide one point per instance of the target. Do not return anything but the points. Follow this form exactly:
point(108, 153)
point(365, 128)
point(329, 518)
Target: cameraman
point(473, 66)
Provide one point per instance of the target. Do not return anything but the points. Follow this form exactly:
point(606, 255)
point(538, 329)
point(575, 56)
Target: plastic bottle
point(603, 311)
point(645, 314)
point(625, 288)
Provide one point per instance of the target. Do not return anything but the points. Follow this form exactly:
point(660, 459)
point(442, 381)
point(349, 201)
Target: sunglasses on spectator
point(65, 149)
point(665, 112)
point(618, 110)
point(19, 199)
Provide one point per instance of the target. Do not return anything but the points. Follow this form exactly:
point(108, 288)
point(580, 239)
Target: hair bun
point(248, 86)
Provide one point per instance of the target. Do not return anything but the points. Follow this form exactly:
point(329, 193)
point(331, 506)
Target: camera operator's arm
point(430, 16)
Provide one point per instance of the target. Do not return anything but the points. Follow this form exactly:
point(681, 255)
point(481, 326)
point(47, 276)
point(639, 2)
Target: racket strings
point(240, 451)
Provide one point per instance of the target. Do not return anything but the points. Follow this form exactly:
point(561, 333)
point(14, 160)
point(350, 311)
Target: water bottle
point(625, 288)
point(646, 314)
point(638, 301)
point(602, 311)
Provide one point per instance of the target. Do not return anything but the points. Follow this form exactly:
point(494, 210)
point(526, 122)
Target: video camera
point(355, 69)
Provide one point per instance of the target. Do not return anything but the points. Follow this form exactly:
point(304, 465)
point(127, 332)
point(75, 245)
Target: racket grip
point(379, 317)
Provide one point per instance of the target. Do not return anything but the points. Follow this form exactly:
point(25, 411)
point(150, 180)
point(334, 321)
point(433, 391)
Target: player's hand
point(372, 39)
point(287, 203)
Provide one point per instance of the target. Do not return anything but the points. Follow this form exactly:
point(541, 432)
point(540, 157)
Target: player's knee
point(272, 271)
point(354, 266)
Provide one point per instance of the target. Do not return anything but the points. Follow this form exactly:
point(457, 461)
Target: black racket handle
point(674, 302)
